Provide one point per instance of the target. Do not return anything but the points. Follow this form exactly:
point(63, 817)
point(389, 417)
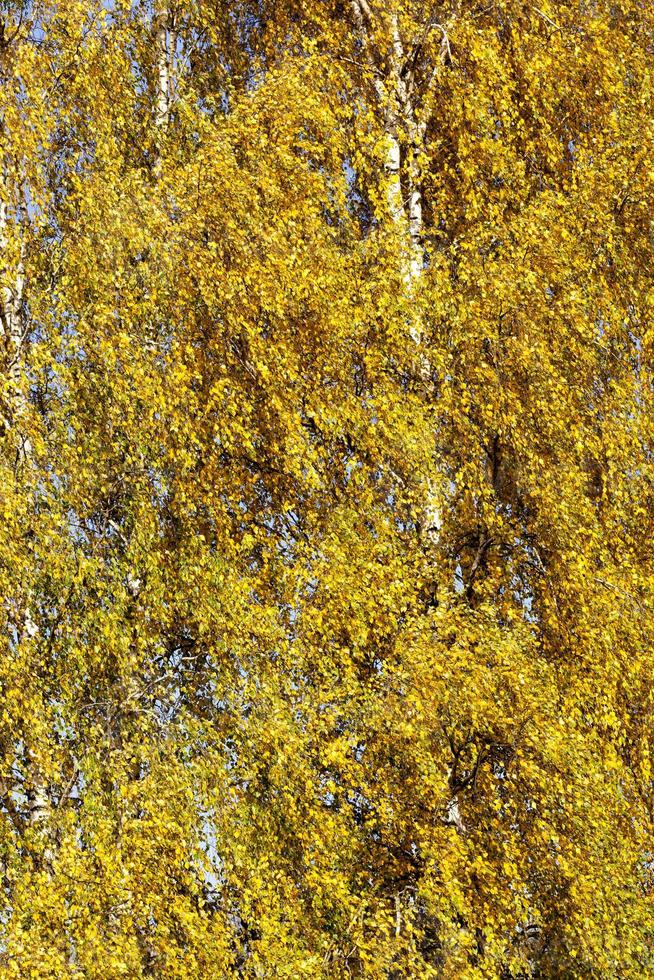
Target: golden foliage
point(327, 589)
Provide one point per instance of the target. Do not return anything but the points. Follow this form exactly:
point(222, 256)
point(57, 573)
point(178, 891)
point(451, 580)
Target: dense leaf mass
point(327, 489)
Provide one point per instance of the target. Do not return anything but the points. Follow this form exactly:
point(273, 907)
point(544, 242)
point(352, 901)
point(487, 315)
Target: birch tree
point(326, 484)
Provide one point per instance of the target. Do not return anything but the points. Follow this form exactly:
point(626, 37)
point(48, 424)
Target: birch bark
point(12, 316)
point(395, 91)
point(164, 46)
point(13, 330)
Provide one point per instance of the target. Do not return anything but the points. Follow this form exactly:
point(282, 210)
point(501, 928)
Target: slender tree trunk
point(395, 93)
point(164, 48)
point(13, 327)
point(417, 260)
point(12, 317)
point(39, 799)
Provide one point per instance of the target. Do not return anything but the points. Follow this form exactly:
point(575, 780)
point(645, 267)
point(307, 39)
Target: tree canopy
point(327, 489)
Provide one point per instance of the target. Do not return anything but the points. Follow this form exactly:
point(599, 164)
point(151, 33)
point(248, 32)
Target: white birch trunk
point(13, 330)
point(163, 48)
point(12, 321)
point(163, 71)
point(397, 101)
point(40, 800)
